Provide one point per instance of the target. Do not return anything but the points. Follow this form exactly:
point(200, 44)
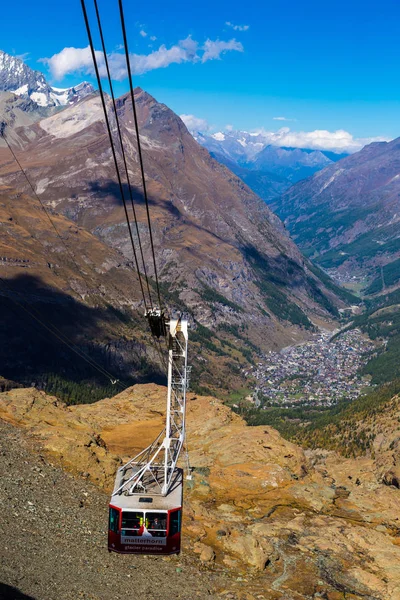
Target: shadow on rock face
point(7, 592)
point(35, 320)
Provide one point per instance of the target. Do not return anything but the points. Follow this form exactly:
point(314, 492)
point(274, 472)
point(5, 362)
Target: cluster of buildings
point(315, 373)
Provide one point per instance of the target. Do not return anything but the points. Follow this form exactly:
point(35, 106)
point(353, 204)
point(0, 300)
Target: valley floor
point(316, 373)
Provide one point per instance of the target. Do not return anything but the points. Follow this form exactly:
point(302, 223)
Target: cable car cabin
point(146, 523)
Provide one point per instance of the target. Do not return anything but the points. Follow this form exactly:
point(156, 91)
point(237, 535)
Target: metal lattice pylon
point(152, 470)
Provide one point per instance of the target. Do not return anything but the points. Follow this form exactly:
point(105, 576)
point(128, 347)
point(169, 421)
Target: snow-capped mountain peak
point(21, 80)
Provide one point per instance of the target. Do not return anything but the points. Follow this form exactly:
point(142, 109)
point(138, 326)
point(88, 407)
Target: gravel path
point(53, 540)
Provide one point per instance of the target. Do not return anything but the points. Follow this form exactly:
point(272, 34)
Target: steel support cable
point(121, 10)
point(121, 189)
point(122, 146)
point(157, 345)
point(60, 336)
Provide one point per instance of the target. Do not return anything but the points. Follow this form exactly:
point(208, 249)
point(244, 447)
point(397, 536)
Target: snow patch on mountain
point(21, 91)
point(40, 98)
point(255, 152)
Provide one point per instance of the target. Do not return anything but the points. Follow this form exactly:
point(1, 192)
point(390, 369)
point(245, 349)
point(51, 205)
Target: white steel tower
point(152, 471)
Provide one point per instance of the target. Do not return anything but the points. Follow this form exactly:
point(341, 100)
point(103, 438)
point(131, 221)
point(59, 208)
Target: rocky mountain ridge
point(346, 216)
point(18, 78)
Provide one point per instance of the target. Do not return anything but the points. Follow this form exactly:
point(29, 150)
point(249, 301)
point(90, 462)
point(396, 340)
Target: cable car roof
point(150, 501)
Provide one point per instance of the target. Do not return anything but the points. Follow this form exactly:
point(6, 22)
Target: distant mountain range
point(21, 80)
point(347, 216)
point(269, 170)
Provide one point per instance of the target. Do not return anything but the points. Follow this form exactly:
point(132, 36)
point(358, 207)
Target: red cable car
point(146, 504)
point(146, 524)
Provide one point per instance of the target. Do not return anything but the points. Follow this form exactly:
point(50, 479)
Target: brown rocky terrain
point(285, 523)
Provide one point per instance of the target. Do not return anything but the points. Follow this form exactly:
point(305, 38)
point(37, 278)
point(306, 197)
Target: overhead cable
point(128, 65)
point(96, 68)
point(122, 146)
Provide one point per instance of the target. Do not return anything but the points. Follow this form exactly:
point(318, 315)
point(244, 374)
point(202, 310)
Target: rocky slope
point(21, 80)
point(69, 280)
point(347, 215)
point(217, 243)
point(290, 524)
point(17, 112)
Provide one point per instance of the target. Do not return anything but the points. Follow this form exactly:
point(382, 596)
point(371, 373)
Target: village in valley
point(319, 372)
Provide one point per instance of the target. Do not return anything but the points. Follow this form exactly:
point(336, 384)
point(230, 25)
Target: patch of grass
point(208, 294)
point(368, 245)
point(391, 275)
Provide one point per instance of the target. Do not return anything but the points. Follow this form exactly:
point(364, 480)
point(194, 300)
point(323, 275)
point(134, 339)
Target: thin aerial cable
point(48, 215)
point(121, 10)
point(154, 343)
point(96, 68)
point(40, 202)
point(157, 346)
point(122, 146)
point(60, 336)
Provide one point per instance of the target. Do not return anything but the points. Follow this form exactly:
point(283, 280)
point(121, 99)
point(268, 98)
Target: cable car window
point(174, 522)
point(132, 520)
point(114, 518)
point(156, 524)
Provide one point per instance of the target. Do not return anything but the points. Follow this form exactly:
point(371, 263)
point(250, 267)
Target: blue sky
point(329, 66)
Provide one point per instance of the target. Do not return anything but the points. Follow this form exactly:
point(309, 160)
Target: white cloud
point(228, 127)
point(24, 56)
point(79, 60)
point(194, 123)
point(214, 48)
point(70, 60)
point(142, 33)
point(320, 139)
point(237, 27)
point(282, 119)
point(153, 38)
